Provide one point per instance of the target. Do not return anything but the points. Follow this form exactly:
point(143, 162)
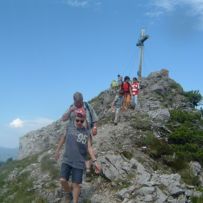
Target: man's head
point(134, 79)
point(80, 117)
point(78, 99)
point(126, 79)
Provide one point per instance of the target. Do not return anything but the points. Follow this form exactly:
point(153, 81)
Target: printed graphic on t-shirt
point(82, 138)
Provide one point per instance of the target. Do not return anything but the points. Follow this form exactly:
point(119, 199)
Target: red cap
point(80, 112)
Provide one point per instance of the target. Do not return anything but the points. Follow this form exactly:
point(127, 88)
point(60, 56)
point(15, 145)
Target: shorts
point(67, 171)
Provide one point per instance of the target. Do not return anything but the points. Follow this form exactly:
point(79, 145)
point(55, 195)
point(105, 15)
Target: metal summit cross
point(140, 44)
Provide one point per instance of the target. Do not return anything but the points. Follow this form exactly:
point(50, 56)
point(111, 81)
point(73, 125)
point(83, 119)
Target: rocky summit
point(141, 157)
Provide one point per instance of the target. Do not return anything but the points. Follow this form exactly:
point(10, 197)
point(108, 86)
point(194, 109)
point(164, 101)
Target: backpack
point(125, 86)
point(88, 108)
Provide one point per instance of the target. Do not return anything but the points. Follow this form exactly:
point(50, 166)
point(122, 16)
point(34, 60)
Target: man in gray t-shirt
point(77, 144)
point(91, 118)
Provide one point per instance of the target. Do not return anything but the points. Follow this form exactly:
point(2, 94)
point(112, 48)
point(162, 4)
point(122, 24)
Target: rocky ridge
point(129, 174)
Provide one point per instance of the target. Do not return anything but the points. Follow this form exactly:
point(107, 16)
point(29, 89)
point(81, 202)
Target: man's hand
point(97, 167)
point(57, 155)
point(94, 130)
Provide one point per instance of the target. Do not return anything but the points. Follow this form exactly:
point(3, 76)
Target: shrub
point(176, 86)
point(158, 147)
point(194, 97)
point(186, 137)
point(197, 199)
point(184, 116)
point(188, 177)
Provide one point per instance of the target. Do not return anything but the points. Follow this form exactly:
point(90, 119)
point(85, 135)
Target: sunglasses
point(81, 121)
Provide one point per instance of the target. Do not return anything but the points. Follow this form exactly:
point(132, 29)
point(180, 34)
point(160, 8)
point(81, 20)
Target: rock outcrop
point(129, 174)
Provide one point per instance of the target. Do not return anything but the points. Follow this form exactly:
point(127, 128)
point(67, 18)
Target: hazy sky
point(51, 48)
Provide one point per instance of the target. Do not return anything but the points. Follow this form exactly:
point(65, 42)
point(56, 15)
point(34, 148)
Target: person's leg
point(76, 192)
point(128, 100)
point(124, 102)
point(65, 174)
point(76, 180)
point(116, 115)
point(135, 100)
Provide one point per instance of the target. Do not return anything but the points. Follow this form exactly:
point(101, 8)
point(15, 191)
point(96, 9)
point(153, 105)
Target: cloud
point(77, 3)
point(82, 3)
point(192, 9)
point(16, 123)
point(10, 134)
point(30, 124)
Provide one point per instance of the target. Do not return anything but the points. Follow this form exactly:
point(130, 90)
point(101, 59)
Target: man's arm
point(92, 155)
point(60, 144)
point(94, 119)
point(66, 115)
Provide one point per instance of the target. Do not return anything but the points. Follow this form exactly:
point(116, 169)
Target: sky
point(50, 49)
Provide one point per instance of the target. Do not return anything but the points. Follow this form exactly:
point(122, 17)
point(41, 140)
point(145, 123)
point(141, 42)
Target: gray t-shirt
point(76, 146)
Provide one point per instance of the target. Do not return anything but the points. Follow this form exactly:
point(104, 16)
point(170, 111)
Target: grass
point(127, 154)
point(197, 199)
point(8, 167)
point(49, 165)
point(18, 190)
point(188, 177)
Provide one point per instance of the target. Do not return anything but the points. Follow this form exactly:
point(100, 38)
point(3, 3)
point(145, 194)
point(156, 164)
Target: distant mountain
point(6, 153)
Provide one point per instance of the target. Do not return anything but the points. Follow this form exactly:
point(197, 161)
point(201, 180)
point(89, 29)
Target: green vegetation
point(141, 122)
point(201, 111)
point(8, 167)
point(176, 86)
point(186, 138)
point(194, 97)
point(107, 119)
point(197, 199)
point(183, 144)
point(188, 177)
point(120, 184)
point(86, 201)
point(127, 154)
point(19, 189)
point(49, 165)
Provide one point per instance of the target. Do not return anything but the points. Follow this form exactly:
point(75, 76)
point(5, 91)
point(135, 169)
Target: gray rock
point(114, 166)
point(195, 168)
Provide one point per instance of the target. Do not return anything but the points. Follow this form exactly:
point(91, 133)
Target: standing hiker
point(77, 144)
point(117, 104)
point(126, 87)
point(114, 85)
point(135, 91)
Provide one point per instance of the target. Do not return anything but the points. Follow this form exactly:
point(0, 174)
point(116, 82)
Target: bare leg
point(76, 192)
point(65, 184)
point(67, 188)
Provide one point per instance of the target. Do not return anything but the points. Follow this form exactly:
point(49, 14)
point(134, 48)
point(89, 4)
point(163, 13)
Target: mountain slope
point(138, 162)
